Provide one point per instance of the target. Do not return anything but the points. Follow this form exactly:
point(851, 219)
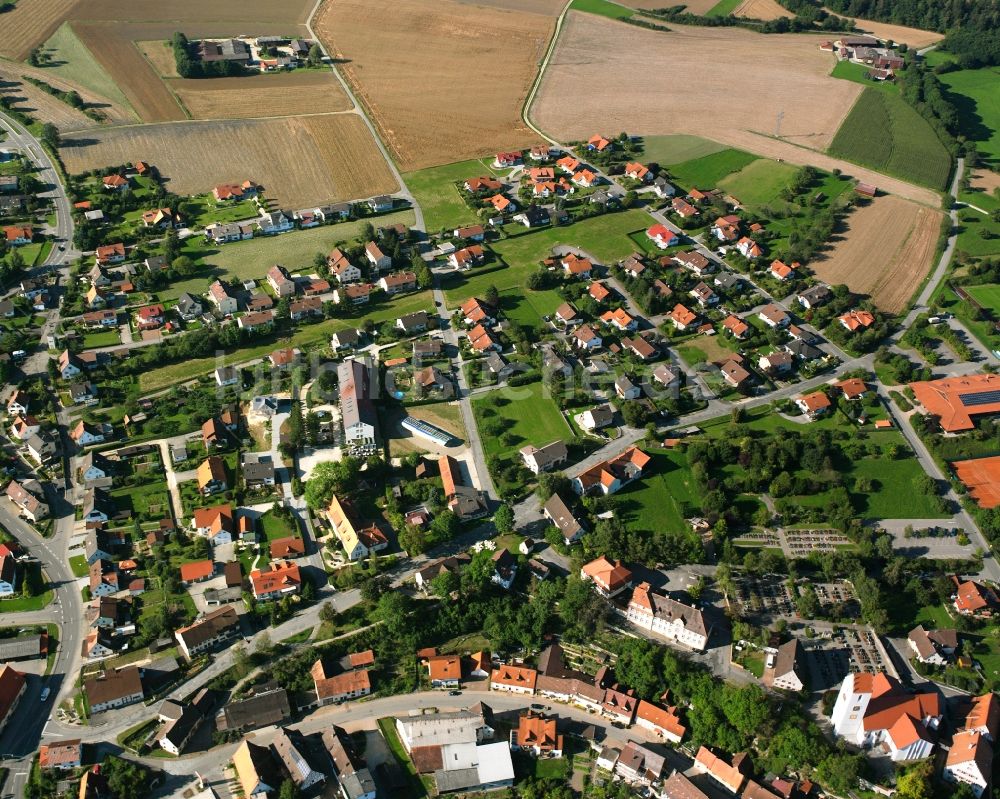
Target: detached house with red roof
point(970, 761)
point(856, 320)
point(508, 159)
point(275, 581)
point(873, 709)
point(612, 475)
point(974, 599)
point(662, 236)
point(637, 171)
point(598, 143)
point(513, 679)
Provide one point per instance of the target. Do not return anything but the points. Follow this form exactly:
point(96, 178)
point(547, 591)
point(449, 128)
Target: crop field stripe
point(603, 8)
point(723, 8)
point(909, 147)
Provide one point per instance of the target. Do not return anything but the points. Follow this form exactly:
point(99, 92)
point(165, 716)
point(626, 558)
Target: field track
point(886, 252)
point(407, 73)
point(299, 162)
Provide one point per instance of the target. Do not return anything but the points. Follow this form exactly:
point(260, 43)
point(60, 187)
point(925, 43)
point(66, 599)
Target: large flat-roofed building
point(956, 401)
point(357, 408)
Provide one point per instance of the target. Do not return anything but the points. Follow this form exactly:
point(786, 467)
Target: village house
point(814, 296)
point(113, 689)
point(546, 458)
point(785, 669)
point(399, 282)
point(575, 266)
point(733, 371)
point(537, 735)
point(220, 296)
point(279, 579)
point(662, 236)
point(612, 475)
point(683, 318)
point(935, 647)
point(557, 511)
point(782, 271)
point(513, 679)
point(814, 404)
point(111, 253)
point(208, 632)
point(856, 320)
point(610, 578)
point(280, 281)
point(774, 316)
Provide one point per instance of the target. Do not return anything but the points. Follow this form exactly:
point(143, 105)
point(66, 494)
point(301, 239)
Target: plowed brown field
point(29, 24)
point(443, 80)
point(761, 9)
point(298, 161)
point(886, 252)
point(114, 47)
point(302, 92)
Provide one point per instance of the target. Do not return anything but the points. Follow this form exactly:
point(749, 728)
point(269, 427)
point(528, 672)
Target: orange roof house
point(736, 326)
point(682, 317)
point(856, 320)
point(610, 577)
point(598, 291)
point(663, 721)
point(852, 388)
point(444, 670)
point(280, 578)
point(956, 400)
point(598, 142)
point(974, 599)
point(728, 774)
point(288, 547)
point(781, 271)
point(199, 570)
point(814, 403)
point(539, 734)
point(636, 171)
point(499, 202)
point(517, 679)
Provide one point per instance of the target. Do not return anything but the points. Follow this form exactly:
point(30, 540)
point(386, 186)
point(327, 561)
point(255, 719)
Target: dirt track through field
point(442, 80)
point(785, 74)
point(761, 9)
point(886, 251)
point(300, 162)
point(287, 94)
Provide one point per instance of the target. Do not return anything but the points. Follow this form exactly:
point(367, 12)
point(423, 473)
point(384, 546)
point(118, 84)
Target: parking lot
point(841, 650)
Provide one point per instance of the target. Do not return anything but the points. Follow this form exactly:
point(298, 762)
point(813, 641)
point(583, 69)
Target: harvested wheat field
point(29, 24)
point(551, 8)
point(55, 110)
point(630, 79)
point(886, 252)
point(37, 103)
point(285, 94)
point(113, 47)
point(293, 12)
point(914, 37)
point(761, 9)
point(299, 162)
point(160, 56)
point(445, 80)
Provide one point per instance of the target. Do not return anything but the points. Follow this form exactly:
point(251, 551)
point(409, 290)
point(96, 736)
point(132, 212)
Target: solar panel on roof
point(979, 398)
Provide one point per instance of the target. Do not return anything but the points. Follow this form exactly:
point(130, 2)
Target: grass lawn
point(705, 348)
point(723, 8)
point(661, 501)
point(22, 603)
point(676, 148)
point(759, 182)
point(706, 171)
point(78, 565)
point(275, 526)
point(440, 199)
point(975, 96)
point(602, 7)
point(527, 414)
point(148, 502)
point(605, 237)
point(971, 223)
point(242, 260)
point(526, 307)
point(305, 337)
point(106, 338)
point(909, 147)
point(893, 496)
point(551, 768)
point(988, 295)
point(74, 62)
point(847, 70)
point(446, 415)
point(473, 642)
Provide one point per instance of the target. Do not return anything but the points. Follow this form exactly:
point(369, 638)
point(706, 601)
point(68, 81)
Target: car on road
point(45, 694)
point(454, 693)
